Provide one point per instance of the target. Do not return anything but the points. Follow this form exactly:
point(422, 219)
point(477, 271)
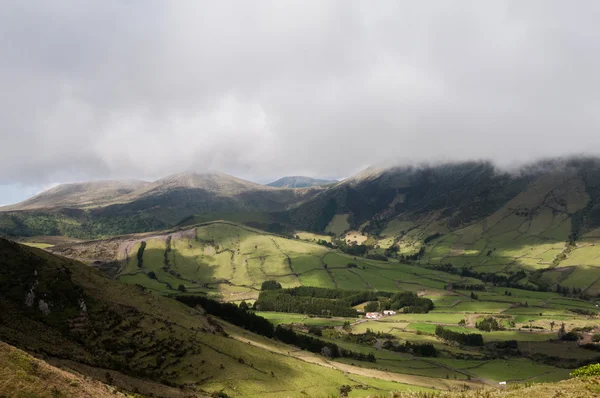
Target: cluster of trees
point(270, 285)
point(571, 292)
point(489, 324)
point(166, 255)
point(392, 251)
point(464, 286)
point(140, 254)
point(471, 339)
point(231, 313)
point(352, 249)
point(281, 301)
point(431, 237)
point(375, 256)
point(409, 302)
point(510, 280)
point(582, 311)
point(325, 243)
point(319, 346)
point(352, 297)
point(419, 350)
point(370, 337)
point(338, 302)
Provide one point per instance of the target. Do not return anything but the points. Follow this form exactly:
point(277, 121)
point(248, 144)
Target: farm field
point(230, 262)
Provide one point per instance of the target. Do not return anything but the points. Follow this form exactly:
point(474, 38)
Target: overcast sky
point(260, 89)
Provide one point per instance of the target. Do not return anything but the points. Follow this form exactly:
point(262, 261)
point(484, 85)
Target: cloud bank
point(115, 89)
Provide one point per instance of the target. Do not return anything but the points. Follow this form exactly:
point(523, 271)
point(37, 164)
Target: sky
point(107, 89)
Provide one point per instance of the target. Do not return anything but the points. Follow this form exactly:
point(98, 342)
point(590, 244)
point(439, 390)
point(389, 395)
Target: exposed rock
point(44, 308)
point(29, 298)
point(82, 306)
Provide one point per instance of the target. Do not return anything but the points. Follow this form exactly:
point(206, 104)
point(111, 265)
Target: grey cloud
point(111, 89)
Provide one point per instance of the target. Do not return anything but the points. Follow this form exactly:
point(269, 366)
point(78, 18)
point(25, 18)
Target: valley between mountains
point(457, 279)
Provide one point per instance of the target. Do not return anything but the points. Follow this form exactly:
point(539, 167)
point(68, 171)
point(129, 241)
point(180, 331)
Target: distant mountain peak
point(299, 182)
point(79, 194)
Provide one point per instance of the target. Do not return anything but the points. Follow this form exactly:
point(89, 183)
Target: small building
point(373, 315)
point(389, 312)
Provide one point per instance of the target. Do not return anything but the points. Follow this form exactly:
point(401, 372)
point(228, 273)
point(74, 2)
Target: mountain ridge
point(451, 194)
point(78, 195)
point(300, 182)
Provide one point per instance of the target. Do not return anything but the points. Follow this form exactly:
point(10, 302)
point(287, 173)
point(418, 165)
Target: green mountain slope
point(542, 218)
point(75, 317)
point(233, 260)
point(23, 375)
point(94, 210)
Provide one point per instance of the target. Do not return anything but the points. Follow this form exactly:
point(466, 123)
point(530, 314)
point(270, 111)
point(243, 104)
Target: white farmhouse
point(389, 312)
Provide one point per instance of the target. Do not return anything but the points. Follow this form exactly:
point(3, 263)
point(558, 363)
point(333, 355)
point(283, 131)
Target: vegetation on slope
point(73, 315)
point(22, 375)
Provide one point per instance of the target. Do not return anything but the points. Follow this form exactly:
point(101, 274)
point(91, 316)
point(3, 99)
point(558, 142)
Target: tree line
point(416, 349)
point(489, 324)
point(318, 346)
point(510, 280)
point(464, 286)
point(337, 302)
point(279, 301)
point(231, 313)
point(471, 339)
point(248, 320)
point(140, 254)
point(408, 302)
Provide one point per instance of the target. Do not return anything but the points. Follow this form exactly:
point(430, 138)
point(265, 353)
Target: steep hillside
point(299, 182)
point(24, 375)
point(79, 195)
point(175, 197)
point(125, 335)
point(453, 195)
point(456, 193)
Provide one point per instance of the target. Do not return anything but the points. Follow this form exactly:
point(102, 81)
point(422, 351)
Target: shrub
point(372, 306)
point(140, 254)
point(378, 257)
point(596, 337)
point(270, 285)
point(489, 324)
point(589, 370)
point(345, 390)
point(571, 336)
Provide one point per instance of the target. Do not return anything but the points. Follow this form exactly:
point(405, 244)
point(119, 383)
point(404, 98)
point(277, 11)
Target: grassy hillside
point(576, 388)
point(23, 375)
point(543, 219)
point(138, 336)
point(233, 260)
point(75, 317)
